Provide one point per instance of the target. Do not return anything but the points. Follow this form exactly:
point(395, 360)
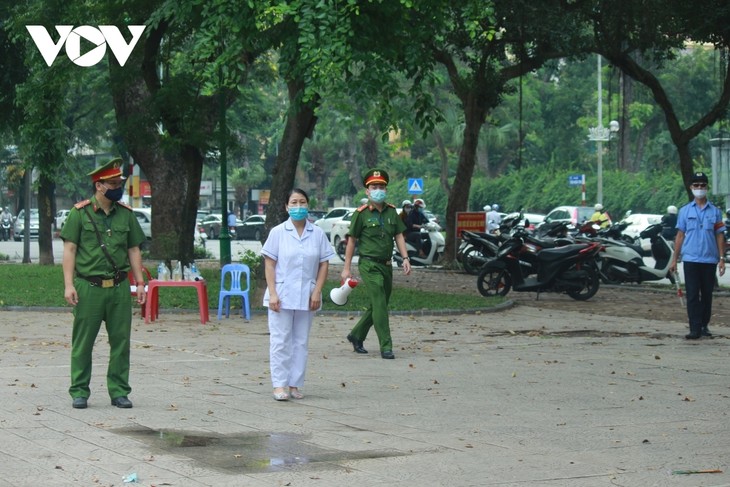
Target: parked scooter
point(5, 226)
point(568, 269)
point(624, 263)
point(478, 249)
point(342, 246)
point(433, 244)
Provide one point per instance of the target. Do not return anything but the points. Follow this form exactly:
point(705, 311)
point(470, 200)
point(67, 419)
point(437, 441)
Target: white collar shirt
point(297, 262)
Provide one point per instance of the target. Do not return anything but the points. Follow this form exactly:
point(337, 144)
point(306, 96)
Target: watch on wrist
point(406, 258)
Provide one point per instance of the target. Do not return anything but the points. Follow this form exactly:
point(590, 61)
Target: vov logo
point(71, 36)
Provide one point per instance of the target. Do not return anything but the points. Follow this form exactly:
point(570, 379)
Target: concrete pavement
point(519, 397)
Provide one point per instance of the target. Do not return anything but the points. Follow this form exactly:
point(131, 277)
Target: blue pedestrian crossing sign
point(415, 185)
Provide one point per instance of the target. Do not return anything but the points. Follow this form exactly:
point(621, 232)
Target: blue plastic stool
point(237, 272)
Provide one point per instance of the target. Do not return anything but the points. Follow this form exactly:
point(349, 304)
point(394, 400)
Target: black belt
point(102, 281)
point(379, 261)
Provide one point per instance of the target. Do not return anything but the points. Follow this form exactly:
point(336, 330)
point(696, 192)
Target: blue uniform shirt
point(700, 227)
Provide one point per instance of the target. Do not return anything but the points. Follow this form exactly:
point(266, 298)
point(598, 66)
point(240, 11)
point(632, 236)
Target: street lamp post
point(601, 134)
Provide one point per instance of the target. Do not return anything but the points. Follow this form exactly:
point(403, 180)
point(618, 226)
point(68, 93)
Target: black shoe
point(122, 402)
point(388, 354)
point(705, 332)
point(357, 345)
point(79, 403)
point(692, 336)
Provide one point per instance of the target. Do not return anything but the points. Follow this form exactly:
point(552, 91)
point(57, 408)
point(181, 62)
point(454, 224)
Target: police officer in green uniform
point(374, 226)
point(95, 282)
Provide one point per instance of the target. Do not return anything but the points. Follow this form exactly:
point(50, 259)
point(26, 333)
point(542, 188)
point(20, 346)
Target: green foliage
point(253, 260)
point(538, 191)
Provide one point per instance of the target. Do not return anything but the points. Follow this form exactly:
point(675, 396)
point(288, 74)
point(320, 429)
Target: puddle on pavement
point(249, 452)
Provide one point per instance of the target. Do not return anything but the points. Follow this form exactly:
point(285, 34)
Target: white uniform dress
point(297, 263)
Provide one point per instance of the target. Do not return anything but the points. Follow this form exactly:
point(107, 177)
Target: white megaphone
point(339, 295)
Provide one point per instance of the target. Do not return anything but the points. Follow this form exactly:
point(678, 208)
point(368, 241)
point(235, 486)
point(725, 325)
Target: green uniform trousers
point(113, 306)
point(378, 281)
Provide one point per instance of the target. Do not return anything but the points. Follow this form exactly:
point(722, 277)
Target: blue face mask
point(298, 213)
point(378, 195)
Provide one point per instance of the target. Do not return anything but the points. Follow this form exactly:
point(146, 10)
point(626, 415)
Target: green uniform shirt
point(119, 230)
point(375, 231)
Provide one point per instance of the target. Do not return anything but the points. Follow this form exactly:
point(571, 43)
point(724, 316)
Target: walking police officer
point(375, 225)
point(101, 239)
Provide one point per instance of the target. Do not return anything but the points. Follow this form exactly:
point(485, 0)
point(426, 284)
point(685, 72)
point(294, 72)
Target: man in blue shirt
point(701, 242)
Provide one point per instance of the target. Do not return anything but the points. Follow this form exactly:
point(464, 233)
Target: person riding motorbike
point(414, 222)
point(601, 217)
point(669, 223)
point(406, 208)
point(6, 222)
point(494, 219)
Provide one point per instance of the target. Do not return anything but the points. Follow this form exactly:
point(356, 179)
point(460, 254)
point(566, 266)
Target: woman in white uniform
point(296, 256)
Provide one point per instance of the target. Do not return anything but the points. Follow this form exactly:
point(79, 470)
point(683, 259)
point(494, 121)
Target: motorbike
point(621, 262)
point(342, 246)
point(477, 248)
point(433, 243)
point(5, 226)
point(569, 269)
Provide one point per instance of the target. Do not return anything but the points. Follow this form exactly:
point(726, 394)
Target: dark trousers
point(699, 281)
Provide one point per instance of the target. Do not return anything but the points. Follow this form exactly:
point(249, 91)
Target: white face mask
point(699, 193)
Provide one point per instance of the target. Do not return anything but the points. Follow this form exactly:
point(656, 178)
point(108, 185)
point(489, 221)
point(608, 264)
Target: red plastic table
point(152, 307)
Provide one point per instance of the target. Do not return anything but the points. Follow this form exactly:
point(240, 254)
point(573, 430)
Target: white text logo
point(71, 36)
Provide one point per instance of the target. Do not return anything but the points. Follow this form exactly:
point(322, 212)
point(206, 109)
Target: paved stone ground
point(526, 396)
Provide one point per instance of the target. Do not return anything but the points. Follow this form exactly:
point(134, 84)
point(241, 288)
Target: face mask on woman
point(298, 213)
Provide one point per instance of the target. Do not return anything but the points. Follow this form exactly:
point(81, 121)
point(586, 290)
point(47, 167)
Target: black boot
point(357, 345)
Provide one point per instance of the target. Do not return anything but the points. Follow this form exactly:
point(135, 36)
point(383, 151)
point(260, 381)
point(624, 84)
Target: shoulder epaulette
point(124, 205)
point(81, 204)
point(362, 207)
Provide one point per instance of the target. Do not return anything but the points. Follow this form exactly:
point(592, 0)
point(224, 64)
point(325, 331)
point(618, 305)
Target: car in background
point(340, 228)
point(637, 223)
point(202, 214)
point(252, 228)
point(19, 226)
point(332, 216)
point(212, 224)
point(144, 217)
point(533, 220)
point(60, 218)
point(315, 215)
point(574, 215)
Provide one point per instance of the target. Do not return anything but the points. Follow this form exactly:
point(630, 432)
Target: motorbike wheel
point(590, 285)
point(605, 274)
point(341, 246)
point(493, 282)
point(473, 261)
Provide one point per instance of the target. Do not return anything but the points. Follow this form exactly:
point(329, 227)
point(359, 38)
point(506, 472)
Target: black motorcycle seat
point(557, 253)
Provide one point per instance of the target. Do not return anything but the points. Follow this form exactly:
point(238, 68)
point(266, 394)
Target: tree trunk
point(46, 195)
point(680, 137)
point(459, 194)
point(300, 122)
point(174, 174)
point(444, 173)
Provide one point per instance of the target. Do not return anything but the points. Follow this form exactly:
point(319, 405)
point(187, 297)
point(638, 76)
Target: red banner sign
point(473, 221)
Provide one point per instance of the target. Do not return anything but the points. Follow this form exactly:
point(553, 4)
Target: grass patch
point(33, 285)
